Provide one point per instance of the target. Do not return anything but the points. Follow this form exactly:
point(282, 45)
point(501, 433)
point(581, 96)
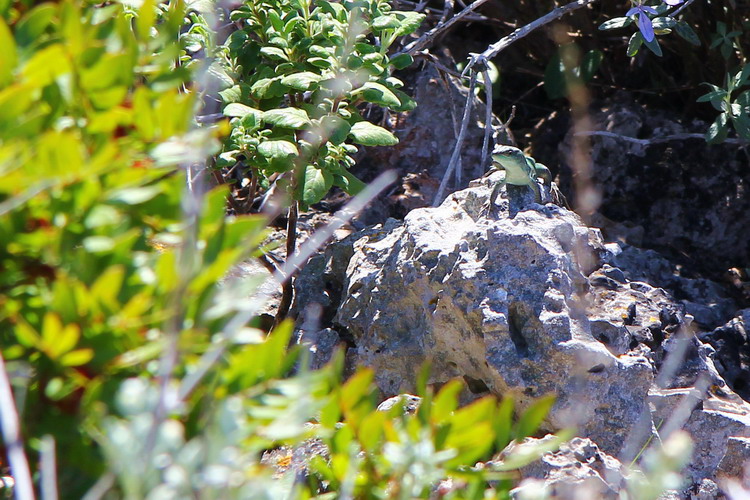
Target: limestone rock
point(579, 469)
point(497, 301)
point(712, 422)
point(733, 352)
point(697, 212)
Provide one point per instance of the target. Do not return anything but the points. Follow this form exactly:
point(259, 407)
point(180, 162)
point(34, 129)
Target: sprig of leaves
point(734, 110)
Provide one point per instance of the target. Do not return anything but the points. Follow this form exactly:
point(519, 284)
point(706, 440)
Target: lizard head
point(508, 154)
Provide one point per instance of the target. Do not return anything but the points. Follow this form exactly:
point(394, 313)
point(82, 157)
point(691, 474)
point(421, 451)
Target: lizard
point(522, 170)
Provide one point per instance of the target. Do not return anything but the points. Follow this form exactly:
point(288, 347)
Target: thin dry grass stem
point(11, 431)
point(488, 113)
point(306, 250)
point(459, 141)
point(101, 487)
point(48, 469)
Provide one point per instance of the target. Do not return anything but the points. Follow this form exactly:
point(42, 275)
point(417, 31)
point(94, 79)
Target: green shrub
point(299, 71)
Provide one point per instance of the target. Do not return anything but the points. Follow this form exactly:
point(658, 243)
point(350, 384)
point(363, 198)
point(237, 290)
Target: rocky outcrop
point(530, 301)
point(500, 302)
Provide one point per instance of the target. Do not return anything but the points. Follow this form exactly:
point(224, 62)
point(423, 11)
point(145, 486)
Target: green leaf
point(684, 30)
point(741, 124)
point(274, 53)
point(407, 103)
point(8, 56)
point(335, 128)
point(554, 77)
point(378, 94)
point(350, 184)
point(654, 46)
point(534, 415)
point(616, 23)
point(293, 118)
point(317, 182)
point(134, 196)
point(240, 111)
point(146, 19)
point(634, 44)
point(367, 134)
point(718, 130)
point(401, 61)
point(504, 422)
point(409, 22)
point(663, 23)
point(590, 64)
point(385, 22)
point(26, 334)
point(267, 88)
point(232, 94)
point(108, 285)
point(33, 24)
point(45, 65)
point(446, 401)
point(719, 94)
point(77, 358)
point(303, 81)
point(277, 150)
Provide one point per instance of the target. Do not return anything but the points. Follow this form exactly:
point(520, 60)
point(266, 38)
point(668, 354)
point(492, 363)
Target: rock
point(712, 422)
point(733, 352)
point(734, 464)
point(686, 195)
point(498, 302)
point(705, 300)
point(577, 470)
point(705, 490)
point(321, 345)
point(427, 137)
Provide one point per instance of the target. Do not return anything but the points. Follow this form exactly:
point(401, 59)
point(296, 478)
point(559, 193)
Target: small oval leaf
point(293, 118)
point(367, 134)
point(277, 149)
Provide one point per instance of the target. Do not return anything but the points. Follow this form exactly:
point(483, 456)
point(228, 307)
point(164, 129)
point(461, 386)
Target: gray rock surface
point(579, 469)
point(733, 352)
point(689, 197)
point(711, 420)
point(705, 300)
point(497, 301)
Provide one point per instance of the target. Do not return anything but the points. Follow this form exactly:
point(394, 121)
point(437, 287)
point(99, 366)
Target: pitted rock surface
point(496, 301)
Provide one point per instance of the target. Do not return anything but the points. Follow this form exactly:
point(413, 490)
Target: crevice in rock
point(516, 322)
point(476, 386)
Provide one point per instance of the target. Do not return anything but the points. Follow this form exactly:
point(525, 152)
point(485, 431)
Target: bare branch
point(503, 43)
point(438, 30)
point(656, 140)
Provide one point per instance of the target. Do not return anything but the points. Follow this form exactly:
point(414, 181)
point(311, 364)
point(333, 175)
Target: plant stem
point(291, 244)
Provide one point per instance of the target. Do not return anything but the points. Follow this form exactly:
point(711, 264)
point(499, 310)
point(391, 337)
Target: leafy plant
point(734, 110)
point(648, 27)
point(302, 70)
point(725, 40)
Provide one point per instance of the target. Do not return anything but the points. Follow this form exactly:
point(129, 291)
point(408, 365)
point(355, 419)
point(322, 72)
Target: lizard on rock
point(522, 170)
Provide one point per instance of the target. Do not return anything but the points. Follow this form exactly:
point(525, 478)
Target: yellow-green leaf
point(8, 57)
point(77, 358)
